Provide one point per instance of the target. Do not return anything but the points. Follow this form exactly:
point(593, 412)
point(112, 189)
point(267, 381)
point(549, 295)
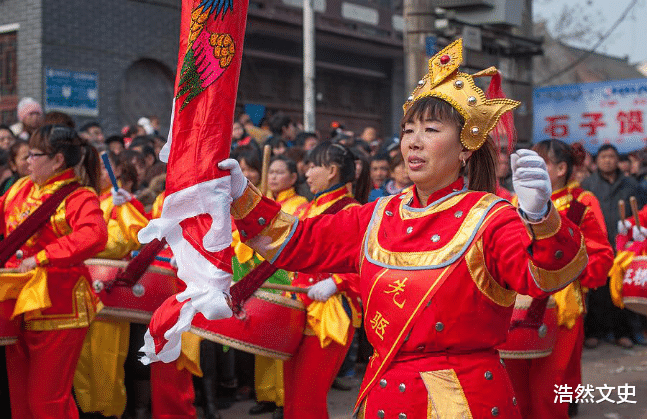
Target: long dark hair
point(361, 185)
point(328, 153)
point(13, 151)
point(557, 151)
point(53, 139)
point(480, 167)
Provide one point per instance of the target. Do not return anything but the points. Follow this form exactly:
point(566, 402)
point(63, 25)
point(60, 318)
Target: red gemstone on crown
point(445, 59)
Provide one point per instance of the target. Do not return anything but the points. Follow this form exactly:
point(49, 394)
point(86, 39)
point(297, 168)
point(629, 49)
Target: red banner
point(209, 64)
point(195, 217)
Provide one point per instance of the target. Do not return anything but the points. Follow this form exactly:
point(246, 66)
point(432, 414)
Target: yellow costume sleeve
point(122, 231)
point(619, 267)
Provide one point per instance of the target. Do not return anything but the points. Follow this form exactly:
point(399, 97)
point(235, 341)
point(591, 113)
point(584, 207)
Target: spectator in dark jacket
point(610, 185)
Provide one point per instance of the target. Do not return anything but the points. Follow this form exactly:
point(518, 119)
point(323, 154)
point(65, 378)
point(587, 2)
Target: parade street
point(608, 365)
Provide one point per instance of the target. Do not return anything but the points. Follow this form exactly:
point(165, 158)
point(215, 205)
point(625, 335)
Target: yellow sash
point(329, 321)
point(29, 289)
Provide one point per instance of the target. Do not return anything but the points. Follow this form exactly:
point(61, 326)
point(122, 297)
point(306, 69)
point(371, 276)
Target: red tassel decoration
point(505, 127)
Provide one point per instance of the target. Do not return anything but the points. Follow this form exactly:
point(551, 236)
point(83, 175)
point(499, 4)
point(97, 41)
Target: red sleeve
point(533, 259)
point(593, 205)
point(326, 243)
point(598, 250)
point(89, 233)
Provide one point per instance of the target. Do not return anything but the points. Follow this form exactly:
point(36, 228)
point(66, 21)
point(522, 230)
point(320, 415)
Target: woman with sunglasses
point(56, 305)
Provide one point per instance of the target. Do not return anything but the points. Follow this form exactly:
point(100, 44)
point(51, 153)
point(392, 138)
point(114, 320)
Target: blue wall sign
point(73, 92)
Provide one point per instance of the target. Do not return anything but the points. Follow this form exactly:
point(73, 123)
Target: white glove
point(638, 233)
point(531, 183)
point(238, 181)
point(120, 196)
point(623, 226)
point(323, 290)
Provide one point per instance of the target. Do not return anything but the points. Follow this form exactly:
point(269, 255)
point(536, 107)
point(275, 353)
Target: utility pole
point(419, 24)
point(309, 66)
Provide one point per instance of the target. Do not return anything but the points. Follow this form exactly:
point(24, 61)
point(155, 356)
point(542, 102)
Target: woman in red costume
point(439, 264)
point(56, 304)
point(534, 379)
point(332, 306)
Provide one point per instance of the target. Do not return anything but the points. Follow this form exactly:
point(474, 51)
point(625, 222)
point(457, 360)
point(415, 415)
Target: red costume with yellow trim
point(309, 374)
point(99, 376)
point(627, 251)
point(534, 379)
point(56, 304)
point(438, 283)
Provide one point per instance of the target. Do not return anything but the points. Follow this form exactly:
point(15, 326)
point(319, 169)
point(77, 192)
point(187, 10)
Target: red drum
point(9, 329)
point(529, 342)
point(270, 325)
point(122, 302)
point(634, 286)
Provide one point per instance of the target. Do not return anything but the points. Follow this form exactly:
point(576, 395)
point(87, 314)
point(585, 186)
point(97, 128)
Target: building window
point(8, 64)
point(8, 77)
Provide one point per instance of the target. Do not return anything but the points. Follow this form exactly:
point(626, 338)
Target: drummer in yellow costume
point(99, 377)
point(268, 372)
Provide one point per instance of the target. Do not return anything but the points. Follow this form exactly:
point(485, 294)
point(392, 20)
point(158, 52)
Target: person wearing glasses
point(56, 304)
point(439, 264)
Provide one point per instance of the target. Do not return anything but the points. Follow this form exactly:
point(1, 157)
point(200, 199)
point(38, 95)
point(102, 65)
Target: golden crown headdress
point(446, 82)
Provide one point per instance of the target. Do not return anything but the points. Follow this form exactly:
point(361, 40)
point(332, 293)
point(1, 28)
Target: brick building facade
point(130, 46)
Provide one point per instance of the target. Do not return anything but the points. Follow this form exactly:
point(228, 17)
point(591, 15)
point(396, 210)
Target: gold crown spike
point(446, 82)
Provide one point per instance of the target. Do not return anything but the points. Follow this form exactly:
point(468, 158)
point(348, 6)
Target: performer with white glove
point(531, 184)
point(439, 264)
point(120, 196)
point(323, 290)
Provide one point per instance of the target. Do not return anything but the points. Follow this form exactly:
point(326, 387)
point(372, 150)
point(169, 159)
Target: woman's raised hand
point(531, 183)
point(238, 181)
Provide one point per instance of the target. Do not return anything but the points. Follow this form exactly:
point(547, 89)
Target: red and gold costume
point(534, 379)
point(99, 376)
point(56, 304)
point(172, 390)
point(627, 251)
point(438, 282)
point(268, 372)
point(329, 330)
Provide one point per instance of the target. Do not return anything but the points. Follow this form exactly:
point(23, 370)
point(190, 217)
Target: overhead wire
point(593, 49)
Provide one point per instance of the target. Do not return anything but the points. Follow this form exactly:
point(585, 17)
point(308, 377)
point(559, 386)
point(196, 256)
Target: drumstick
point(282, 287)
point(9, 271)
point(158, 258)
point(622, 211)
point(264, 169)
point(635, 210)
point(109, 169)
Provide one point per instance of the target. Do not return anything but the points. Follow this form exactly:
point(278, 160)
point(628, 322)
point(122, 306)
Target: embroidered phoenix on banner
point(195, 217)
